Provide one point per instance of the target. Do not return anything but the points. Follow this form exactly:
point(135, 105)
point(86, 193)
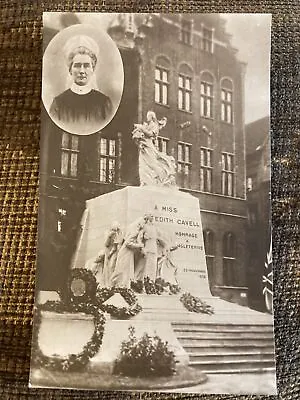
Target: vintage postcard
point(154, 266)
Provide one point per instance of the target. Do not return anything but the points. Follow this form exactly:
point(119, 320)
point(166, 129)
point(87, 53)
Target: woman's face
point(81, 69)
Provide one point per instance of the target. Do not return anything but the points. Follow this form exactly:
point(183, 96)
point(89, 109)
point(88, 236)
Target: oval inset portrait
point(83, 79)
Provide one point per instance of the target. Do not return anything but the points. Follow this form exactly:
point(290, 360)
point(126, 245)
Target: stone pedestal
point(64, 334)
point(176, 214)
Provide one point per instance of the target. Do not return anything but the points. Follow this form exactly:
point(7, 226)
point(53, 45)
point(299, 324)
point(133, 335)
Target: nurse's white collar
point(80, 89)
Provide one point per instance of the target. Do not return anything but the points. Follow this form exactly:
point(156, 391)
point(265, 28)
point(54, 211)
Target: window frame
point(68, 154)
point(206, 98)
point(183, 164)
point(163, 140)
point(107, 157)
point(229, 260)
point(160, 84)
point(185, 92)
point(207, 169)
point(228, 175)
point(207, 43)
point(186, 32)
point(227, 105)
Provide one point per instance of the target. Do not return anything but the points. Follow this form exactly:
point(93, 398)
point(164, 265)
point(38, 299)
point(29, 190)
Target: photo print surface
point(154, 267)
point(82, 79)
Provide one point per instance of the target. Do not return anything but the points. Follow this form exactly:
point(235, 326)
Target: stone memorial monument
point(162, 232)
point(175, 218)
point(144, 234)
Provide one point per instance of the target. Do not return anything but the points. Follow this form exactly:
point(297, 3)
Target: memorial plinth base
point(177, 216)
point(63, 334)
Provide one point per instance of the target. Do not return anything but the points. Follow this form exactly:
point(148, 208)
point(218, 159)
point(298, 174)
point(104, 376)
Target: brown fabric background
point(20, 78)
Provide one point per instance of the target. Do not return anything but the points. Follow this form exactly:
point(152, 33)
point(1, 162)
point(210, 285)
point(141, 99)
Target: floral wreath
point(128, 295)
point(195, 304)
point(159, 286)
point(86, 283)
point(72, 362)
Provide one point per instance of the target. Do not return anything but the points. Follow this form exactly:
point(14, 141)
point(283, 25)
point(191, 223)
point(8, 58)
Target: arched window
point(209, 245)
point(206, 95)
point(185, 88)
point(227, 101)
point(229, 259)
point(162, 80)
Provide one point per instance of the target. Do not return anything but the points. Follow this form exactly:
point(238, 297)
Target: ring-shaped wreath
point(72, 362)
point(128, 295)
point(81, 287)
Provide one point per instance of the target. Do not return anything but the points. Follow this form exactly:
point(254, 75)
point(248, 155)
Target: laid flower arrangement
point(128, 295)
point(149, 286)
point(159, 286)
point(137, 286)
point(174, 289)
point(195, 304)
point(72, 362)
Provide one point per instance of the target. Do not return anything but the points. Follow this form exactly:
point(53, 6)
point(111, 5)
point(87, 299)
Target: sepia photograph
point(154, 268)
point(82, 79)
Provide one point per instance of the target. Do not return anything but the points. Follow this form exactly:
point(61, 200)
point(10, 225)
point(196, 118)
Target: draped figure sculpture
point(124, 269)
point(155, 167)
point(113, 241)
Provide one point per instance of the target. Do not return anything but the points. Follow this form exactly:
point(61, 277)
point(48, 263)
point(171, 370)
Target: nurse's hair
point(81, 44)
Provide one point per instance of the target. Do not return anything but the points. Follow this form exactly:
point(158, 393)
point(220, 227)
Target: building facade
point(258, 162)
point(182, 67)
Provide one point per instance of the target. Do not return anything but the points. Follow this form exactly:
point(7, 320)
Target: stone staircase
point(227, 348)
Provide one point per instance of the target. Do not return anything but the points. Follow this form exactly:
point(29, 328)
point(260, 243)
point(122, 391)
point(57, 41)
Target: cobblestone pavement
point(255, 383)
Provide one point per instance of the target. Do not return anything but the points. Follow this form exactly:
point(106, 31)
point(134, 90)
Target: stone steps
point(224, 334)
point(222, 349)
point(234, 357)
point(227, 348)
point(214, 327)
point(209, 341)
point(226, 366)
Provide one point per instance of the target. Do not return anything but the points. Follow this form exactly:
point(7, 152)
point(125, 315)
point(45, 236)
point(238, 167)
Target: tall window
point(184, 93)
point(227, 101)
point(186, 31)
point(162, 143)
point(227, 174)
point(184, 164)
point(206, 169)
point(161, 86)
point(107, 160)
point(206, 96)
point(209, 244)
point(229, 260)
point(69, 154)
point(207, 40)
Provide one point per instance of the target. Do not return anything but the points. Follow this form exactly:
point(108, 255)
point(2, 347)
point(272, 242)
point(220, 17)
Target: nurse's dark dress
point(92, 108)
